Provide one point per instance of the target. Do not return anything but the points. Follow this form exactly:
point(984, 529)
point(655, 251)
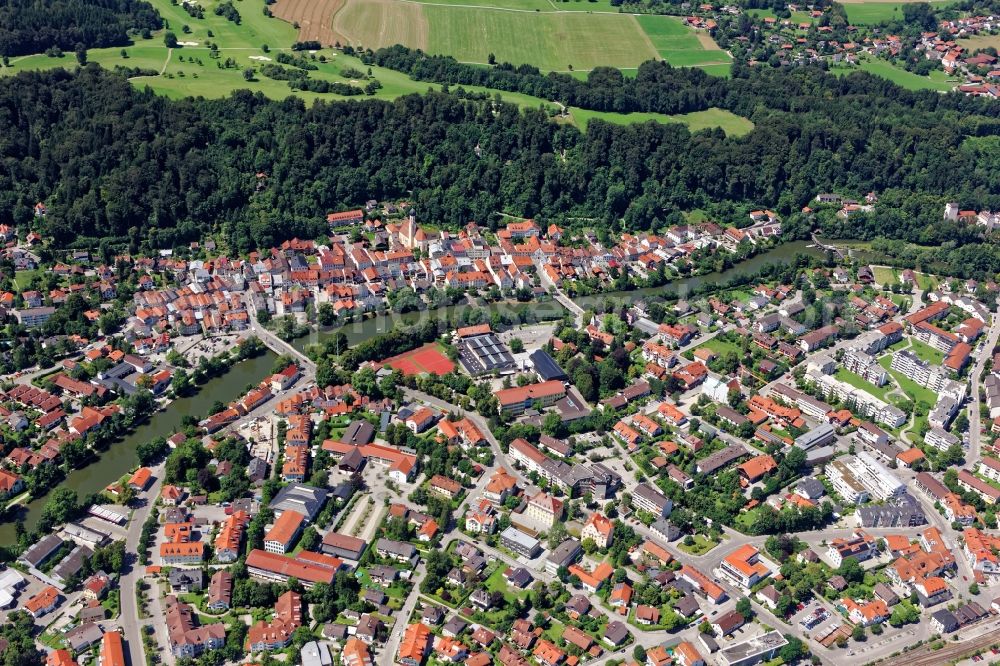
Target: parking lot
point(533, 337)
point(194, 347)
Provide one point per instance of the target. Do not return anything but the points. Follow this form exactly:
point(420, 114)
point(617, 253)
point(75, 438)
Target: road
point(279, 346)
point(560, 295)
point(975, 425)
point(129, 617)
point(478, 421)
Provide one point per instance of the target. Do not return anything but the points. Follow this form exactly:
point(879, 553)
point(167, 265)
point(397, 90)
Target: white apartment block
point(874, 477)
point(860, 402)
point(865, 366)
point(844, 482)
point(940, 439)
point(989, 468)
point(923, 373)
point(944, 411)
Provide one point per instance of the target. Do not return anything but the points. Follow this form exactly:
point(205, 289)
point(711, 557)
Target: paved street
point(975, 423)
point(129, 618)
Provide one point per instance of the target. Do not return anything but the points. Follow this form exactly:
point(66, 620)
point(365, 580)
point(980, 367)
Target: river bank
point(359, 331)
point(686, 287)
point(120, 457)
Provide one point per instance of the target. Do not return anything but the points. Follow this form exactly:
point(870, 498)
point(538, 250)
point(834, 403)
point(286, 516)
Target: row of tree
point(147, 172)
point(34, 26)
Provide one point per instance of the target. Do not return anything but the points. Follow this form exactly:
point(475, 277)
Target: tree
point(858, 633)
point(170, 40)
point(639, 653)
point(794, 650)
point(310, 539)
point(248, 73)
point(81, 54)
point(744, 608)
point(516, 345)
point(325, 314)
point(851, 570)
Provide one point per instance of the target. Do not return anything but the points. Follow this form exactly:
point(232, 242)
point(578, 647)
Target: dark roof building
point(545, 366)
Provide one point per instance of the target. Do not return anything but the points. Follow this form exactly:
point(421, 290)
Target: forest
point(148, 172)
point(34, 26)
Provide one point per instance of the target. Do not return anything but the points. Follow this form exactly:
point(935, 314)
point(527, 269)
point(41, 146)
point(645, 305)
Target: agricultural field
point(552, 35)
point(194, 69)
point(980, 42)
point(679, 45)
point(861, 12)
point(730, 123)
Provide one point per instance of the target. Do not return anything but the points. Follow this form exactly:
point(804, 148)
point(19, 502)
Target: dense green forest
point(34, 26)
point(111, 161)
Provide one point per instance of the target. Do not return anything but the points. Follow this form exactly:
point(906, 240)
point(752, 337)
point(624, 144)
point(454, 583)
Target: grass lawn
point(916, 392)
point(925, 352)
point(720, 347)
point(554, 631)
point(24, 278)
point(927, 282)
point(885, 275)
point(937, 80)
point(744, 520)
point(859, 383)
point(701, 545)
point(496, 583)
point(722, 71)
point(730, 123)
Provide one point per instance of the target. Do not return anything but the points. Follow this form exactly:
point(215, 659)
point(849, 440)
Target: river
point(120, 457)
point(686, 286)
point(359, 331)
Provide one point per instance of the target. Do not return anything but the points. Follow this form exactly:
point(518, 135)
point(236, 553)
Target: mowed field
point(980, 42)
point(550, 34)
point(729, 122)
point(190, 70)
point(863, 12)
point(552, 41)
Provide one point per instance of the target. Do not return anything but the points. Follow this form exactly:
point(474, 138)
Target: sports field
point(426, 359)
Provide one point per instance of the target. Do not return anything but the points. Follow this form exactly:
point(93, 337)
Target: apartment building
point(860, 545)
point(744, 567)
point(284, 532)
point(844, 483)
point(973, 484)
point(860, 402)
point(940, 439)
point(911, 366)
point(865, 366)
point(646, 498)
point(989, 468)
